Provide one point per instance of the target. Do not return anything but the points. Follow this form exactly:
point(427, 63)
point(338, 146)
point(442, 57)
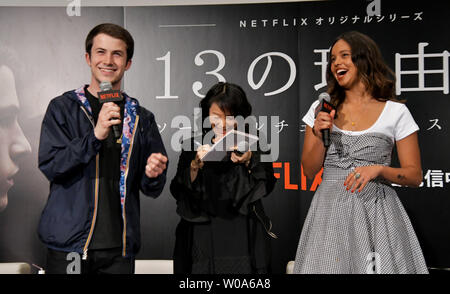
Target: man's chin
point(3, 201)
point(112, 80)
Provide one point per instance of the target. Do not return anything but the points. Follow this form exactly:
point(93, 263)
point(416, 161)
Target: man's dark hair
point(114, 31)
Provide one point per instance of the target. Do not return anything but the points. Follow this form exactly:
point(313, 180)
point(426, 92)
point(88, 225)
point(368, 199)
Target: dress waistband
point(330, 173)
point(338, 174)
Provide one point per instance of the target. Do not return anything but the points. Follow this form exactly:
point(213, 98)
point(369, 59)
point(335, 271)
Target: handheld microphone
point(327, 107)
point(107, 94)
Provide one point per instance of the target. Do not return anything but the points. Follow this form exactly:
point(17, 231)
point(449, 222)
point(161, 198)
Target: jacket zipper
point(124, 216)
point(97, 158)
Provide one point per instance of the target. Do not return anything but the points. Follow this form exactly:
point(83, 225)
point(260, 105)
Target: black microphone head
point(107, 94)
point(324, 96)
point(105, 86)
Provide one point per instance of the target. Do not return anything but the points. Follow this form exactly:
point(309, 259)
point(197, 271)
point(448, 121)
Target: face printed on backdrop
point(13, 143)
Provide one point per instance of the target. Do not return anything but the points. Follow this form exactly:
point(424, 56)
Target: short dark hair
point(376, 75)
point(114, 31)
point(229, 97)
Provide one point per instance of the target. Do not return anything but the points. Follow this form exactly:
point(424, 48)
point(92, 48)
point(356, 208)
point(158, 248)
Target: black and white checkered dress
point(366, 232)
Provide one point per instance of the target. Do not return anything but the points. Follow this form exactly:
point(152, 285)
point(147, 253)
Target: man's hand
point(108, 116)
point(156, 164)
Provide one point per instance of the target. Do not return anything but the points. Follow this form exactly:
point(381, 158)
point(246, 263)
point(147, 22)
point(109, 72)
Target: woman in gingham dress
point(356, 223)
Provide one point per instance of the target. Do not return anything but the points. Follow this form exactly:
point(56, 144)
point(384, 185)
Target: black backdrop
point(49, 43)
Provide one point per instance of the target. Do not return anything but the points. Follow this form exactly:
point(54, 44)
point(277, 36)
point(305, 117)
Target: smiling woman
point(13, 143)
point(356, 58)
point(355, 215)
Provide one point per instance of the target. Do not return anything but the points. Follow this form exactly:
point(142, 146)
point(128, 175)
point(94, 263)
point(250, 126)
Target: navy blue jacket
point(69, 158)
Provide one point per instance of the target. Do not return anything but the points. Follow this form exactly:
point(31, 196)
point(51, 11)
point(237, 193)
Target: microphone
point(107, 94)
point(327, 107)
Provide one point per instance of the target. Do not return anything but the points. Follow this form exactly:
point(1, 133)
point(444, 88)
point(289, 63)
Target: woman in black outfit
point(223, 227)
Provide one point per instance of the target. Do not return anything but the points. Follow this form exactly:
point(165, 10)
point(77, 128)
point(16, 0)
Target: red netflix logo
point(110, 96)
point(303, 182)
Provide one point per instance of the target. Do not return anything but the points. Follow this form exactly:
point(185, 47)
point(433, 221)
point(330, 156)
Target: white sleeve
point(309, 117)
point(405, 125)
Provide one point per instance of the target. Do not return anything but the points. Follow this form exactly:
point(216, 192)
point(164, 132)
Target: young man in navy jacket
point(95, 178)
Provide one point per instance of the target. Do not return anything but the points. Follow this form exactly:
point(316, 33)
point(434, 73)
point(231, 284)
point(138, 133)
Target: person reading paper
point(223, 227)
